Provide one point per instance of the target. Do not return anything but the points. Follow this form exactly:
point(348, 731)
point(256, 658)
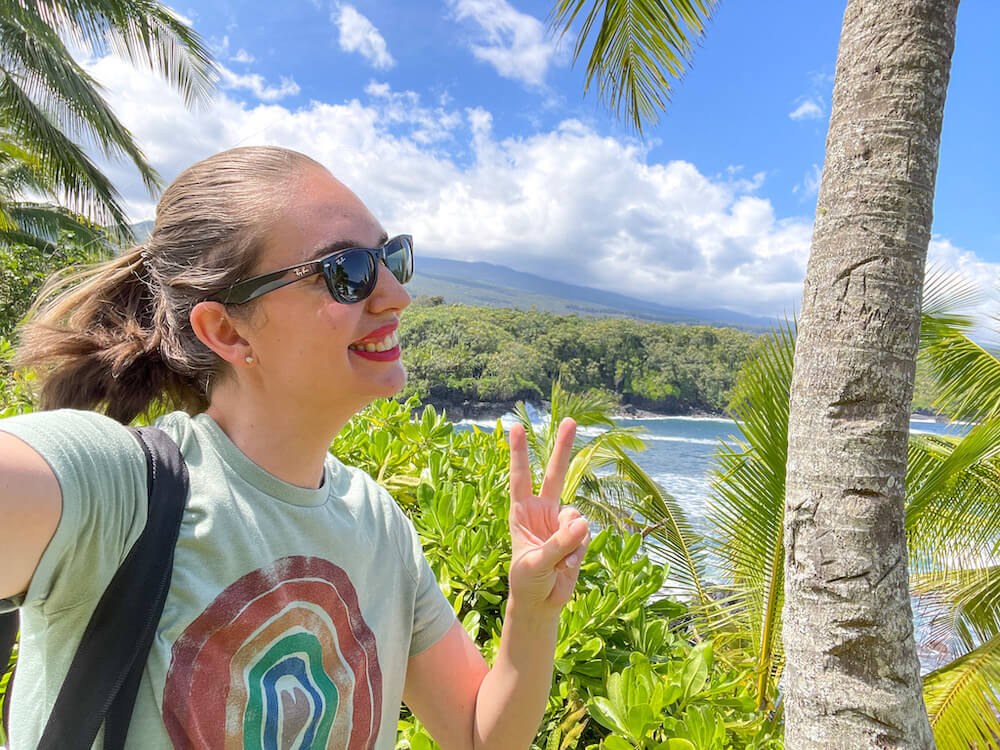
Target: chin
point(391, 385)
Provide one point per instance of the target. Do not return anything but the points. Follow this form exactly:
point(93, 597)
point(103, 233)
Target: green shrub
point(626, 672)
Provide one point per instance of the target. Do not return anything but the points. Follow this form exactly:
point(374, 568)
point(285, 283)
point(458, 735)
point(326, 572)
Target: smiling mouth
point(391, 341)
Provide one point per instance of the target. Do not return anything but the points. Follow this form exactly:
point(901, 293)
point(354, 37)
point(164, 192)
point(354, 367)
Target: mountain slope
point(487, 284)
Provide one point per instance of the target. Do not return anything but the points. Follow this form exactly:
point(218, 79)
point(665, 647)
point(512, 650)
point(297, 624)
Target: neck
point(287, 442)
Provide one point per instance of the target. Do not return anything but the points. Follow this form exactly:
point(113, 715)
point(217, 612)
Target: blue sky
point(463, 122)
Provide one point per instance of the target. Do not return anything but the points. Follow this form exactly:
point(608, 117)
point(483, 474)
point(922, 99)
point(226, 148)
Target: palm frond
point(962, 699)
point(145, 32)
point(962, 605)
point(747, 498)
point(938, 466)
point(958, 523)
point(51, 78)
point(66, 169)
point(668, 531)
point(46, 222)
point(639, 49)
point(945, 294)
point(966, 377)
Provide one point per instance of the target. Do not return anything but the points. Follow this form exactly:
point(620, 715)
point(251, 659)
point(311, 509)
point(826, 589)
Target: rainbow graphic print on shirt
point(280, 660)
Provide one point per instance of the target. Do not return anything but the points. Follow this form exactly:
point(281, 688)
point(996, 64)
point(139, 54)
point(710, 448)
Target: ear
point(217, 330)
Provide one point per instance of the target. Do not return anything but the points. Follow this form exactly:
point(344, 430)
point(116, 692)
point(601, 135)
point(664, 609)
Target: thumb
point(564, 541)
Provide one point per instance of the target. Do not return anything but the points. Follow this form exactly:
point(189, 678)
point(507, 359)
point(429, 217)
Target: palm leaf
point(965, 375)
point(51, 78)
point(668, 532)
point(639, 48)
point(144, 32)
point(66, 169)
point(940, 465)
point(746, 508)
point(962, 699)
point(963, 605)
point(47, 222)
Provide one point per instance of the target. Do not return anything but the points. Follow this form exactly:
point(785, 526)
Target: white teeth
point(390, 341)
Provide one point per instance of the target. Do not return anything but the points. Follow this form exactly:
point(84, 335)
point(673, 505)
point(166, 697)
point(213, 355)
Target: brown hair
point(117, 336)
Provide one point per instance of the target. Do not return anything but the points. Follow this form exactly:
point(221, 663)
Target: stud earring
point(248, 359)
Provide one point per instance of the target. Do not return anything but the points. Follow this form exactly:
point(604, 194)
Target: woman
point(266, 303)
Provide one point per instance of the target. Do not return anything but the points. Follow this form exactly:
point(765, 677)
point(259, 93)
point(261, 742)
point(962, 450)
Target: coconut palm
point(852, 676)
point(608, 486)
point(49, 104)
point(952, 519)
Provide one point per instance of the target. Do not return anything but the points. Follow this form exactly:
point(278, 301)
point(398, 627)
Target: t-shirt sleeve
point(433, 615)
point(101, 471)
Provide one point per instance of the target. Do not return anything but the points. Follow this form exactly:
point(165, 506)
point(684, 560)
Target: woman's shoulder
point(56, 427)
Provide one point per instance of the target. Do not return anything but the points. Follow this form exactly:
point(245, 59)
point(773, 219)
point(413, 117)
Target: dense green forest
point(455, 353)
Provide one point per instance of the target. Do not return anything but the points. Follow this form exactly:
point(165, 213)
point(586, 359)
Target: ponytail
point(93, 339)
point(117, 336)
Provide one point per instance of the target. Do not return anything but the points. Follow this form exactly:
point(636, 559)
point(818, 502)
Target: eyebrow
point(342, 245)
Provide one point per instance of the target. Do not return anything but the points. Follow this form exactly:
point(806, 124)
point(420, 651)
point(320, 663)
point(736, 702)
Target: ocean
point(679, 451)
point(679, 456)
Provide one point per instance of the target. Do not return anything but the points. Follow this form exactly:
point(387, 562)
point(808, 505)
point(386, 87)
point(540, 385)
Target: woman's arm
point(464, 704)
point(30, 504)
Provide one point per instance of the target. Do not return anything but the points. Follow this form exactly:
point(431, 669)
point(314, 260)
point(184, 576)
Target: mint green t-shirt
point(291, 613)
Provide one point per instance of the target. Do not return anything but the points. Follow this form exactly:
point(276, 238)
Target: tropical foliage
point(456, 353)
point(628, 672)
point(639, 48)
point(50, 106)
point(24, 268)
point(952, 519)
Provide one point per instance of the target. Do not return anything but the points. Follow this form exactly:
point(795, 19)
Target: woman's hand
point(547, 542)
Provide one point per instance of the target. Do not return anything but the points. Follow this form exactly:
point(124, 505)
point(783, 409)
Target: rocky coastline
point(481, 410)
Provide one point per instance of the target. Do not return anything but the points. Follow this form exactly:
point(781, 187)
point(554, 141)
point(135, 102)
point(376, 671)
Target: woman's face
point(300, 336)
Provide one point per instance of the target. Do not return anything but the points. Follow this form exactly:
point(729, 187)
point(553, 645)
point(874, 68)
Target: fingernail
point(572, 561)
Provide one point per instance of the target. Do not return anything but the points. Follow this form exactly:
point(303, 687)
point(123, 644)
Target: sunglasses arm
point(252, 288)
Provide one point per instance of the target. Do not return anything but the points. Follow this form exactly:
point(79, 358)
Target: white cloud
point(219, 47)
point(591, 206)
point(810, 109)
point(516, 44)
point(242, 56)
point(426, 124)
point(810, 182)
point(358, 34)
point(256, 84)
point(568, 199)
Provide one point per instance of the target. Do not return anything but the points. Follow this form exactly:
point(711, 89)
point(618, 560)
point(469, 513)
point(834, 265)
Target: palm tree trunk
point(852, 679)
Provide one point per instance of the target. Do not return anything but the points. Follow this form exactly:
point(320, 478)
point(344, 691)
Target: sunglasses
point(350, 274)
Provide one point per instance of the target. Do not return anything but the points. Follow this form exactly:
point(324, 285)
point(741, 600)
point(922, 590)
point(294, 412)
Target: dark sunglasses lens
point(351, 276)
point(399, 259)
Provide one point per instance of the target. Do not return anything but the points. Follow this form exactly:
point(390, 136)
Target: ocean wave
point(664, 417)
point(677, 439)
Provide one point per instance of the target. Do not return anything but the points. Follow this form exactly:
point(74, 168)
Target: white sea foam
point(676, 439)
point(663, 417)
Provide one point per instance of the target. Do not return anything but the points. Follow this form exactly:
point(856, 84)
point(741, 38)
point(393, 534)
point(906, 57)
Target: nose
point(388, 294)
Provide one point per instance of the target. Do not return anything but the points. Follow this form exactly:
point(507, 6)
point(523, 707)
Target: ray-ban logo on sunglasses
point(303, 271)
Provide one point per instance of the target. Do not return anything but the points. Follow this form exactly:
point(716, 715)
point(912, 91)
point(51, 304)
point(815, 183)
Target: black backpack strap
point(104, 676)
point(8, 634)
